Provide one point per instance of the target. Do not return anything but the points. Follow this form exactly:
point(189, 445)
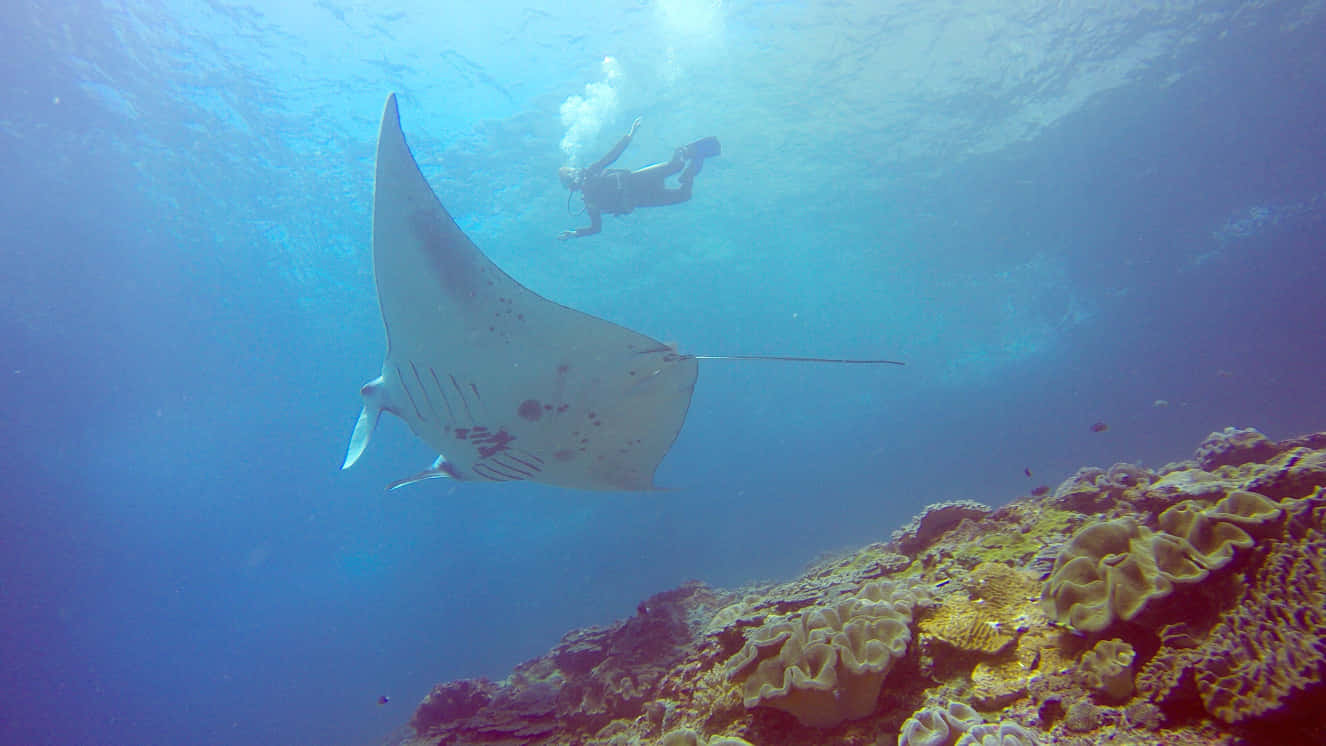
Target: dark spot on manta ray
point(562, 369)
point(452, 267)
point(566, 454)
point(547, 407)
point(530, 410)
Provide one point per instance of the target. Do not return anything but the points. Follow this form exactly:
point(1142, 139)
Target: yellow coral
point(1018, 545)
point(969, 625)
point(999, 584)
point(986, 615)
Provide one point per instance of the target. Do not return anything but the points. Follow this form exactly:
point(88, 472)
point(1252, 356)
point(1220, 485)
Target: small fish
point(384, 699)
point(1160, 403)
point(1039, 491)
point(1027, 471)
point(1099, 427)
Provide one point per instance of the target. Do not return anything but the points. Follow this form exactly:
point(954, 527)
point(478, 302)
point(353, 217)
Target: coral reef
point(1184, 605)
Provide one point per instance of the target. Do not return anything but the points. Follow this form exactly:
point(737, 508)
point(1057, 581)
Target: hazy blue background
point(1056, 213)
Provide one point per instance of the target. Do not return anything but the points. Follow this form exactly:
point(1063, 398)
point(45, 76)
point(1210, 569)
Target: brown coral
point(1294, 473)
point(1092, 488)
point(1232, 447)
point(1108, 669)
point(1270, 640)
point(1274, 643)
point(688, 737)
point(933, 521)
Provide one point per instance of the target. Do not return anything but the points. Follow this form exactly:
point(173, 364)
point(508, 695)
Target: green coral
point(826, 664)
point(1217, 531)
point(1111, 570)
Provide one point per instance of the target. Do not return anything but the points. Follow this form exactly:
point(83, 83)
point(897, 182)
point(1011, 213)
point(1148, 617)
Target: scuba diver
point(618, 191)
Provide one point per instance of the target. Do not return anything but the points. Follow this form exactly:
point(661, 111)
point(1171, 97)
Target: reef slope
point(1185, 605)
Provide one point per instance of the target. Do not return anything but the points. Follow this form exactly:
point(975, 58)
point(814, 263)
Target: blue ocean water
point(1057, 213)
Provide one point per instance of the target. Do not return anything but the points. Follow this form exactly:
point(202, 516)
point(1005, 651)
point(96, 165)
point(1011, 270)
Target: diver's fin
point(705, 147)
point(439, 470)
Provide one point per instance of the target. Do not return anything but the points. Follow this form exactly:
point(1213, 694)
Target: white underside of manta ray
point(506, 385)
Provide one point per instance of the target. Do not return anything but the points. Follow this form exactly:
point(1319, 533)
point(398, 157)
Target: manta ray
point(504, 384)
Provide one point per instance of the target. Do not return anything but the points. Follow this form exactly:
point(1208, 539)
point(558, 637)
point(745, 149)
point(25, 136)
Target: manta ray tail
point(798, 359)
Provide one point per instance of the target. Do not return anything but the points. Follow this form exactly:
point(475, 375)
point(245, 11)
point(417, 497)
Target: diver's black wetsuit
point(618, 191)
